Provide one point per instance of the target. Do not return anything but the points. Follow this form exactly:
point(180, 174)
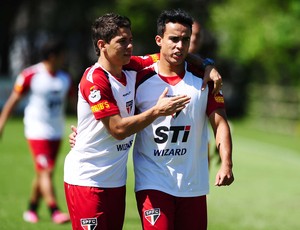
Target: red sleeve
point(22, 84)
point(98, 93)
point(214, 102)
point(138, 63)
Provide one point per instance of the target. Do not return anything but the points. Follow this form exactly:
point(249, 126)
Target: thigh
point(44, 153)
point(156, 209)
point(96, 208)
point(191, 213)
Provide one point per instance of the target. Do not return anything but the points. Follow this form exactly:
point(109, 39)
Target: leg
point(44, 155)
point(35, 195)
point(46, 186)
point(191, 213)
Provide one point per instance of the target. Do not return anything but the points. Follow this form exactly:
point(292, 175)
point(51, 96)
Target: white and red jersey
point(98, 159)
point(44, 113)
point(170, 155)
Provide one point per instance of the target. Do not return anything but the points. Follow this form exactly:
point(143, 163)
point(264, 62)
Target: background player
point(47, 86)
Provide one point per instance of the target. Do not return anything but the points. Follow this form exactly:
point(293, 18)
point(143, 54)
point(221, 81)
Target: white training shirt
point(98, 159)
point(170, 155)
point(44, 113)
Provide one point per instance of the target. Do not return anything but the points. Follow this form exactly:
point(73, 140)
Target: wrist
point(207, 62)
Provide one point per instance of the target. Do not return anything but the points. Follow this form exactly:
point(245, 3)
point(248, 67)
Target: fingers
point(217, 86)
point(224, 177)
point(168, 105)
point(180, 102)
point(224, 180)
point(72, 140)
point(164, 93)
point(72, 136)
point(204, 83)
point(73, 128)
point(211, 74)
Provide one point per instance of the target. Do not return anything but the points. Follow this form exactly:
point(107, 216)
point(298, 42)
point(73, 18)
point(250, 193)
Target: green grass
point(264, 196)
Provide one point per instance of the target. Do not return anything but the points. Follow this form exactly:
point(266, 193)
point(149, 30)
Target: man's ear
point(158, 40)
point(101, 44)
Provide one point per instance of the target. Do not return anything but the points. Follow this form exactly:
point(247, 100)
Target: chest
point(148, 93)
point(124, 94)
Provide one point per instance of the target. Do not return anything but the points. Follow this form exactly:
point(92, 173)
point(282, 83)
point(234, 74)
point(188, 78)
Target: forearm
point(223, 138)
point(121, 128)
point(7, 110)
point(224, 144)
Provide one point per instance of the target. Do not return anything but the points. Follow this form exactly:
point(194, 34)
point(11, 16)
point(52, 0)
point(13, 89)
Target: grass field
point(264, 196)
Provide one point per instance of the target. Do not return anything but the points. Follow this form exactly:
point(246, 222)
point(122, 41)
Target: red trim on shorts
point(44, 153)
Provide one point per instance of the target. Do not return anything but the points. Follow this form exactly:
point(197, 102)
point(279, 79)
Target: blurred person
point(195, 45)
point(95, 168)
point(196, 38)
point(47, 86)
point(170, 155)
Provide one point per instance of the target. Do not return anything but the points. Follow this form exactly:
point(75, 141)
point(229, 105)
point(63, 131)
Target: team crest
point(94, 94)
point(152, 215)
point(129, 106)
point(89, 223)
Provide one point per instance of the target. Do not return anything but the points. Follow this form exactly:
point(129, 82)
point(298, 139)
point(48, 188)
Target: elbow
point(119, 137)
point(119, 134)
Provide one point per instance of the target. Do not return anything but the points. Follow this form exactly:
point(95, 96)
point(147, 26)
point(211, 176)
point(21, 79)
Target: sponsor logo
point(94, 94)
point(154, 57)
point(89, 223)
point(176, 133)
point(126, 94)
point(100, 106)
point(219, 99)
point(169, 152)
point(129, 106)
point(125, 146)
point(152, 215)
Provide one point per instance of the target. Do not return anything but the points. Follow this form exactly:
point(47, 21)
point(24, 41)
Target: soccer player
point(47, 86)
point(170, 155)
point(95, 169)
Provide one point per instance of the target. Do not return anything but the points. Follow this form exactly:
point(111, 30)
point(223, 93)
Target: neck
point(114, 70)
point(168, 69)
point(50, 67)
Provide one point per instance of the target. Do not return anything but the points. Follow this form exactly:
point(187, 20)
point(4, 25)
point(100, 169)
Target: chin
point(126, 60)
point(179, 61)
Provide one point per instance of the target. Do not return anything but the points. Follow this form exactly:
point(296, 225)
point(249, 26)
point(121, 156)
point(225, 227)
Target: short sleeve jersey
point(98, 159)
point(44, 113)
point(170, 155)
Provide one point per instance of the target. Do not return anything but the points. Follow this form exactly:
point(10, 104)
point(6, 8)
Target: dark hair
point(52, 46)
point(174, 16)
point(106, 28)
